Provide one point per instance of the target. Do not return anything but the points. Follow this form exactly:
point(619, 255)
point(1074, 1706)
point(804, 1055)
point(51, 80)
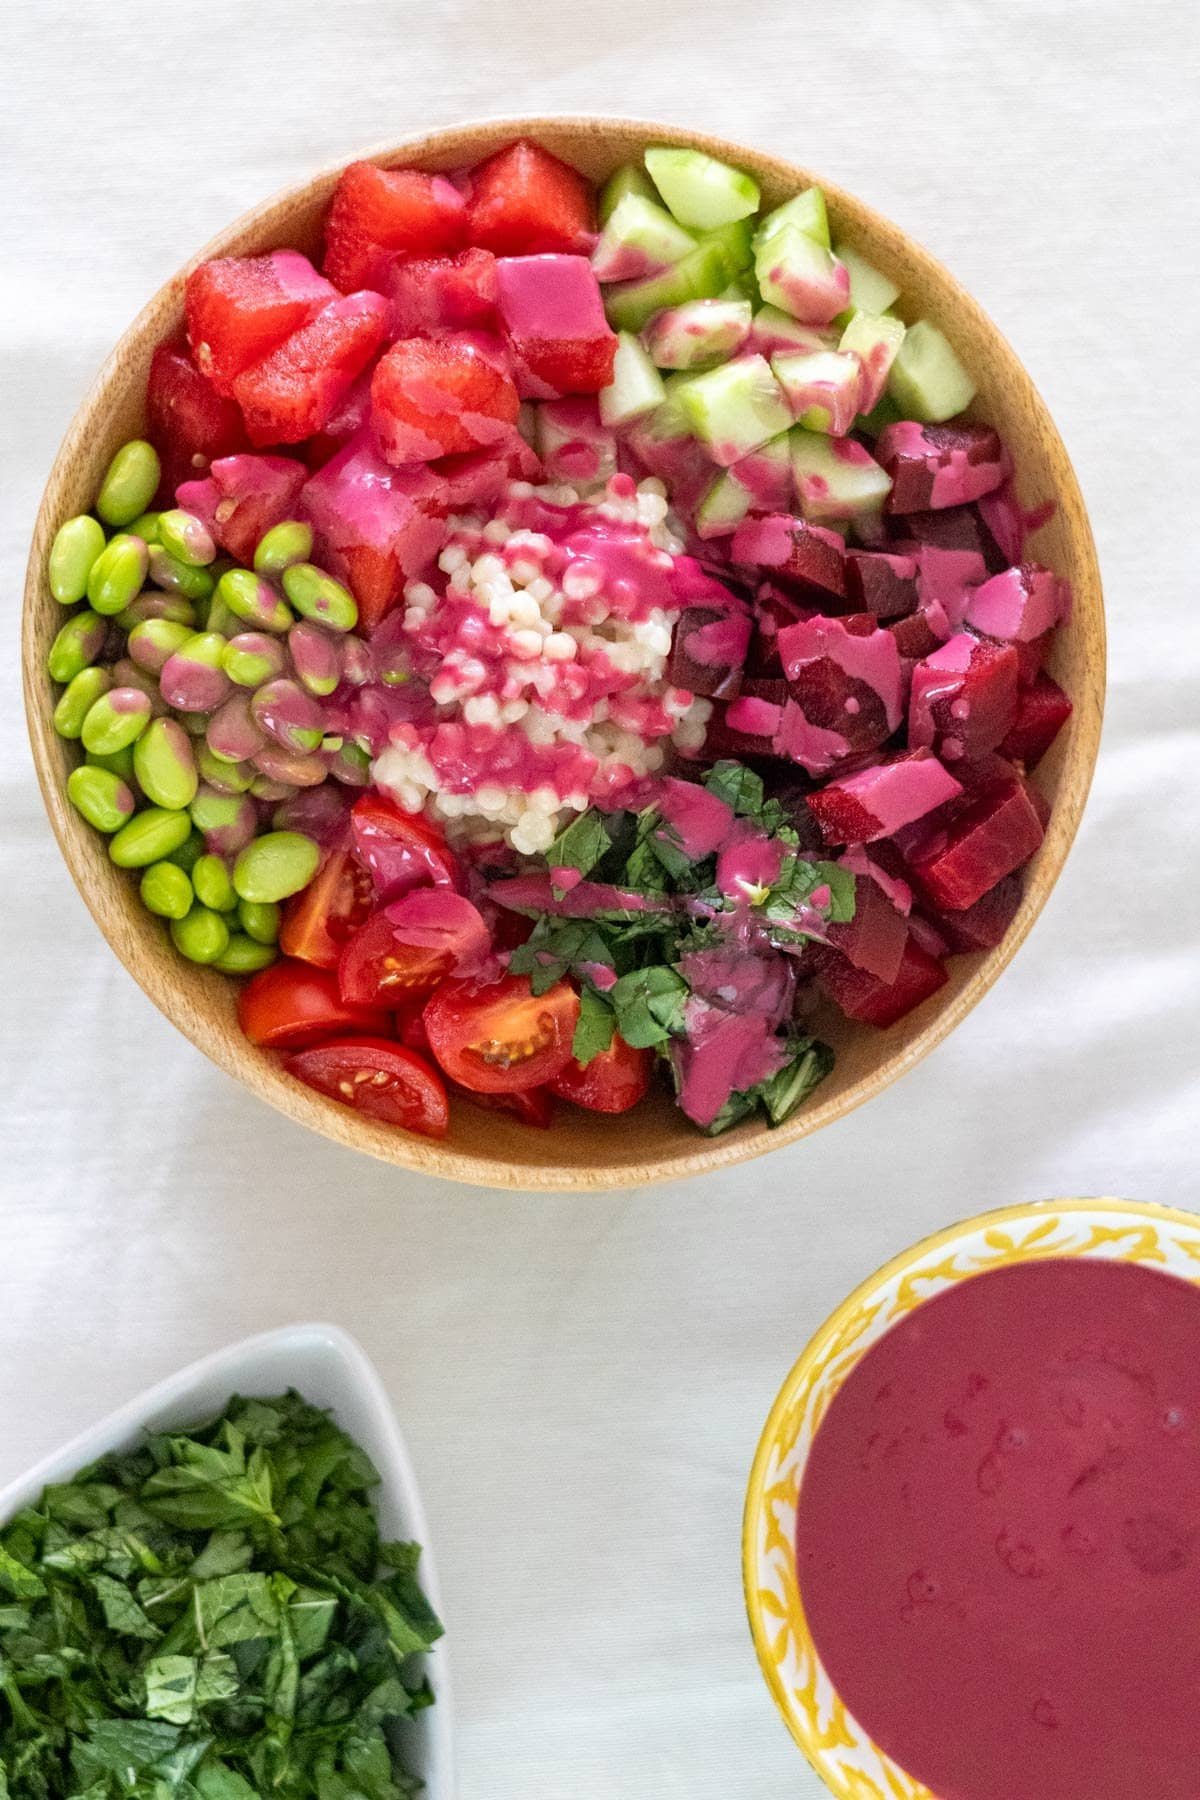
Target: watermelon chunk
point(240, 308)
point(379, 526)
point(935, 466)
point(243, 497)
point(805, 556)
point(876, 802)
point(444, 293)
point(963, 699)
point(862, 996)
point(189, 422)
point(294, 390)
point(1042, 711)
point(994, 830)
point(379, 214)
point(524, 201)
point(553, 314)
point(480, 477)
point(434, 397)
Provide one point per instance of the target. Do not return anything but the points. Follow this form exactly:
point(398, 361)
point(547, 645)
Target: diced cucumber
point(698, 334)
point(885, 412)
point(806, 212)
point(927, 381)
point(875, 338)
point(835, 477)
point(735, 408)
point(572, 443)
point(801, 277)
point(736, 245)
point(630, 178)
point(641, 238)
point(699, 276)
point(636, 387)
point(775, 330)
point(669, 421)
point(871, 291)
point(822, 388)
point(701, 192)
point(762, 480)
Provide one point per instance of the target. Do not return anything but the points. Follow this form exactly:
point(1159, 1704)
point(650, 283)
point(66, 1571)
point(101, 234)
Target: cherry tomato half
point(401, 850)
point(376, 969)
point(499, 1038)
point(292, 1004)
point(612, 1082)
point(338, 899)
point(378, 1077)
point(533, 1106)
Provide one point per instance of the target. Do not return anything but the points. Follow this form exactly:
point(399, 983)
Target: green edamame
point(175, 577)
point(200, 935)
point(244, 955)
point(78, 698)
point(186, 537)
point(165, 765)
point(154, 640)
point(76, 546)
point(117, 574)
point(166, 890)
point(117, 762)
point(226, 777)
point(260, 920)
point(152, 604)
point(254, 601)
point(149, 837)
point(101, 798)
point(78, 643)
point(275, 865)
point(319, 597)
point(214, 889)
point(189, 852)
point(145, 526)
point(287, 543)
point(130, 483)
point(115, 719)
point(251, 658)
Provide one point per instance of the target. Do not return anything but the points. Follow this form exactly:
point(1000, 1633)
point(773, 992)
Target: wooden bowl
point(655, 1143)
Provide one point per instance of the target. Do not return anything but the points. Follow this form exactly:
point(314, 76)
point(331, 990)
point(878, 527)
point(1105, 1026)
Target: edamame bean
point(283, 711)
point(233, 733)
point(289, 542)
point(186, 537)
point(130, 483)
point(166, 890)
point(117, 762)
point(242, 955)
point(219, 618)
point(150, 604)
point(194, 723)
point(115, 719)
point(263, 788)
point(290, 766)
point(188, 853)
point(165, 765)
point(117, 574)
point(200, 935)
point(349, 764)
point(251, 658)
point(228, 821)
point(175, 577)
point(319, 597)
point(254, 600)
point(145, 526)
point(193, 679)
point(315, 658)
point(260, 920)
point(225, 777)
point(78, 643)
point(101, 798)
point(275, 865)
point(149, 837)
point(154, 641)
point(73, 553)
point(125, 673)
point(78, 698)
point(214, 889)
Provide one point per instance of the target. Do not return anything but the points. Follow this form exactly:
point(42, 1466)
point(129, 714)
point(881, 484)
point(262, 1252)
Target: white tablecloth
point(582, 1380)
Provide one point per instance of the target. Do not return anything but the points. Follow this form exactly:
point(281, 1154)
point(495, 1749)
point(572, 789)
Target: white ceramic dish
point(329, 1368)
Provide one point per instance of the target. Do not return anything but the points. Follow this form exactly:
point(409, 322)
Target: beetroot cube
point(914, 636)
point(524, 201)
point(1021, 603)
point(995, 831)
point(936, 466)
point(188, 420)
point(953, 528)
point(804, 556)
point(239, 308)
point(379, 527)
point(709, 646)
point(1031, 656)
point(434, 397)
point(1001, 515)
point(378, 214)
point(1042, 711)
point(862, 996)
point(883, 585)
point(876, 937)
point(946, 583)
point(243, 497)
point(981, 927)
point(444, 293)
point(844, 680)
point(553, 314)
point(293, 391)
point(876, 802)
point(963, 698)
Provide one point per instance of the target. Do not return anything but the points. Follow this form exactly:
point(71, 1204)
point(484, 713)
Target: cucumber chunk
point(761, 481)
point(822, 387)
point(836, 479)
point(801, 277)
point(735, 408)
point(630, 178)
point(699, 276)
point(641, 238)
point(698, 334)
point(806, 212)
point(636, 387)
point(875, 338)
point(927, 381)
point(700, 191)
point(736, 245)
point(775, 330)
point(871, 291)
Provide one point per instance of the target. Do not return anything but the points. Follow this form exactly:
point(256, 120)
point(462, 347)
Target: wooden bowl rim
point(696, 1155)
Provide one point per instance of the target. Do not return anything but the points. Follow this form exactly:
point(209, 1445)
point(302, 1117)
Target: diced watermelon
point(963, 698)
point(243, 497)
point(444, 293)
point(862, 996)
point(240, 308)
point(881, 584)
point(434, 397)
point(981, 927)
point(189, 422)
point(1042, 711)
point(798, 554)
point(480, 477)
point(378, 214)
point(350, 414)
point(294, 390)
point(524, 201)
point(936, 466)
point(994, 830)
point(876, 802)
point(553, 314)
point(379, 526)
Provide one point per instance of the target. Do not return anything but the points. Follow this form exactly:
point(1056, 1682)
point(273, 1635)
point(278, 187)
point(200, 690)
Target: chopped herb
point(742, 790)
point(649, 1005)
point(581, 844)
point(594, 1032)
point(782, 1092)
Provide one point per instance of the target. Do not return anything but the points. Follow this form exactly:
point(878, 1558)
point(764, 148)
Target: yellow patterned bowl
point(849, 1764)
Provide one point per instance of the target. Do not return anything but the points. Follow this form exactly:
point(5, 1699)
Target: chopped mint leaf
point(594, 1032)
point(742, 790)
point(649, 1005)
point(735, 1109)
point(581, 844)
point(783, 1093)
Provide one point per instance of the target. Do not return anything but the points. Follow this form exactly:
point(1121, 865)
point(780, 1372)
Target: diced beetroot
point(553, 314)
point(434, 397)
point(1001, 515)
point(914, 636)
point(862, 996)
point(946, 582)
point(243, 497)
point(189, 422)
point(444, 293)
point(799, 554)
point(883, 585)
point(953, 528)
point(935, 466)
point(843, 680)
point(1031, 656)
point(708, 649)
point(981, 927)
point(293, 391)
point(479, 477)
point(524, 201)
point(240, 308)
point(575, 446)
point(963, 698)
point(993, 832)
point(379, 526)
point(1021, 603)
point(379, 214)
point(876, 937)
point(1042, 711)
point(876, 802)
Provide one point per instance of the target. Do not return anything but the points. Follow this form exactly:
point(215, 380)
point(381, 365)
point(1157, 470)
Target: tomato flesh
point(401, 850)
point(501, 1038)
point(378, 1077)
point(613, 1082)
point(377, 969)
point(324, 915)
point(292, 1004)
point(532, 1106)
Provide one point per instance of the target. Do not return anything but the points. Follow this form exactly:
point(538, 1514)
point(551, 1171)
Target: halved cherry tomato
point(499, 1038)
point(535, 1106)
point(376, 969)
point(410, 1027)
point(339, 898)
point(401, 850)
point(612, 1082)
point(379, 1077)
point(291, 1004)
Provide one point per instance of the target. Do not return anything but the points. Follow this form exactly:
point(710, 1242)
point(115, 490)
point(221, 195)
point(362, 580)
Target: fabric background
point(582, 1381)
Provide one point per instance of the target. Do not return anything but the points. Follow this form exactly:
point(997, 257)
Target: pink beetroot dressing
point(998, 1537)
